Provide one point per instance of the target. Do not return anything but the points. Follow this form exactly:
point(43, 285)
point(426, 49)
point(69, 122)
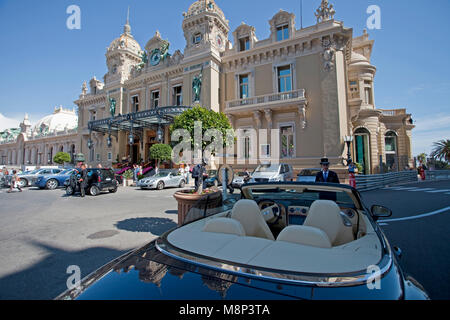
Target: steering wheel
point(270, 210)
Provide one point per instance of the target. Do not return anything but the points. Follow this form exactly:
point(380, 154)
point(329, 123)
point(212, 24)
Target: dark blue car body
point(41, 182)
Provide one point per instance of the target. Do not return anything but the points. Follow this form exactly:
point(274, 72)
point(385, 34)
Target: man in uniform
point(83, 180)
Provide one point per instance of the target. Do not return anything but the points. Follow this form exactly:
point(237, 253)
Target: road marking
point(438, 191)
point(416, 217)
point(425, 189)
point(403, 188)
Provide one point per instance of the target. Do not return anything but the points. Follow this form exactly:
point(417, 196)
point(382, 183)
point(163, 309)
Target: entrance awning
point(137, 121)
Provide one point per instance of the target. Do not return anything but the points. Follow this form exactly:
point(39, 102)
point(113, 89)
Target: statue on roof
point(325, 11)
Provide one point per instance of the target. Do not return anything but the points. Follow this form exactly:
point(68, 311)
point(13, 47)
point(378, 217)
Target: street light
point(109, 141)
point(131, 139)
point(90, 143)
point(348, 140)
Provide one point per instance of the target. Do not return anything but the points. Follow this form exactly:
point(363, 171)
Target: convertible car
point(281, 240)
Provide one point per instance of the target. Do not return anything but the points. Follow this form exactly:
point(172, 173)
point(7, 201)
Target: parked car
point(98, 180)
point(51, 182)
point(277, 241)
point(272, 173)
point(29, 178)
point(240, 179)
point(308, 175)
point(164, 179)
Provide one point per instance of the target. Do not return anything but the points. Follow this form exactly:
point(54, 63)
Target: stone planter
point(187, 200)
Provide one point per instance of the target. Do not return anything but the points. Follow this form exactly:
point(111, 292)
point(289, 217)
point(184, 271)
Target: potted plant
point(128, 178)
point(188, 121)
point(209, 198)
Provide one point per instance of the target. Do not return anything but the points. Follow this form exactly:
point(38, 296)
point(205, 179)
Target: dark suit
point(332, 177)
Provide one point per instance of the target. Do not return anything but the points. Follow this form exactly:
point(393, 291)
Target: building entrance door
point(362, 151)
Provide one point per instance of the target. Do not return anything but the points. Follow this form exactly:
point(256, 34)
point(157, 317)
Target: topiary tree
point(209, 120)
point(61, 158)
point(161, 152)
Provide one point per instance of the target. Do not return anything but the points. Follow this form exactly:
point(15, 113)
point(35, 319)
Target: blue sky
point(43, 64)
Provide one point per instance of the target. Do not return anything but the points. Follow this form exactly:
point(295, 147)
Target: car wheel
point(51, 184)
point(160, 185)
point(70, 191)
point(182, 184)
point(94, 191)
point(23, 183)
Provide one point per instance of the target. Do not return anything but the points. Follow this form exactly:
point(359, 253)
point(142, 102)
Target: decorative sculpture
point(197, 86)
point(112, 107)
point(325, 11)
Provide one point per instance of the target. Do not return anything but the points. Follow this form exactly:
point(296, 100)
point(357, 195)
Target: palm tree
point(441, 150)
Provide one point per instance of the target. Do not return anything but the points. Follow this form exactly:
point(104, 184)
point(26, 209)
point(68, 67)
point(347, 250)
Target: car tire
point(182, 184)
point(23, 183)
point(51, 184)
point(70, 191)
point(160, 185)
point(94, 191)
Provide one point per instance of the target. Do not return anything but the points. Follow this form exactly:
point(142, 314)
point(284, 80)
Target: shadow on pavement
point(156, 226)
point(171, 212)
point(47, 278)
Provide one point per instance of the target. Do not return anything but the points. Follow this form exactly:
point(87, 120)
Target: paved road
point(43, 232)
point(424, 239)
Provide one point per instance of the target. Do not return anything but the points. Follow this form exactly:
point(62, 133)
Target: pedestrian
point(136, 172)
point(15, 182)
point(99, 166)
point(351, 173)
point(187, 172)
point(141, 169)
point(83, 180)
point(421, 170)
point(326, 175)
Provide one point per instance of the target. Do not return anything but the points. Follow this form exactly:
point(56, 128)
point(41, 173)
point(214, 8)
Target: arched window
point(362, 149)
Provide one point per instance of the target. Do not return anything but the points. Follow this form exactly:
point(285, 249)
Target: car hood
point(148, 274)
point(264, 175)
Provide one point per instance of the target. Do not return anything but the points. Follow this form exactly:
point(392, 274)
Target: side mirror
point(380, 212)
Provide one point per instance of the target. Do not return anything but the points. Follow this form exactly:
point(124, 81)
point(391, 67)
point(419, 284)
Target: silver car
point(308, 175)
point(29, 178)
point(272, 173)
point(164, 179)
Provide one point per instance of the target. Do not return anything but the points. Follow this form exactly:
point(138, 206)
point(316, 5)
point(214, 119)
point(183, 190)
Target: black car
point(98, 180)
point(277, 240)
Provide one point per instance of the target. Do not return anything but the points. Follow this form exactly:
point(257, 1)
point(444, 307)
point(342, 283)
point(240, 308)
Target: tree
point(161, 152)
point(422, 157)
point(441, 150)
point(62, 157)
point(209, 119)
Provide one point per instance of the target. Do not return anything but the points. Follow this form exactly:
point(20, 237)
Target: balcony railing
point(269, 98)
point(393, 113)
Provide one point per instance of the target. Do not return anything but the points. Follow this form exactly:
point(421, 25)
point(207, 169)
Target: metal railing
point(274, 97)
point(437, 175)
point(378, 181)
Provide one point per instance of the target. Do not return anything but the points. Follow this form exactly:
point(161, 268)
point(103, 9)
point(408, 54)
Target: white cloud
point(8, 123)
point(428, 131)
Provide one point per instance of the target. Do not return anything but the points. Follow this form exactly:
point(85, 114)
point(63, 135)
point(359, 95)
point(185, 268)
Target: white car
point(272, 173)
point(308, 175)
point(164, 179)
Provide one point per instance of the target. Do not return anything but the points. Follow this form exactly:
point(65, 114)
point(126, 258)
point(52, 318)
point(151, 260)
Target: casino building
point(314, 84)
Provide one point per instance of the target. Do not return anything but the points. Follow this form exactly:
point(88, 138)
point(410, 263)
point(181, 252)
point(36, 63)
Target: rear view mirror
point(380, 212)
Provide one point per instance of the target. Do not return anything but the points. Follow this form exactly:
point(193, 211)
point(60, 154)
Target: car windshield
point(309, 172)
point(267, 168)
point(301, 195)
point(68, 171)
point(161, 174)
point(32, 172)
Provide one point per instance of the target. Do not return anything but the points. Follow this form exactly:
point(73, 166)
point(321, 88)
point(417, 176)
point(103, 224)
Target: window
point(93, 115)
point(284, 79)
point(98, 156)
point(368, 95)
point(155, 99)
point(354, 91)
point(287, 141)
point(247, 147)
point(243, 87)
point(265, 150)
point(109, 156)
point(391, 150)
point(283, 32)
point(244, 44)
point(197, 38)
point(135, 104)
point(178, 95)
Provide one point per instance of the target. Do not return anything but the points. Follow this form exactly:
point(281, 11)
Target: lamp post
point(131, 143)
point(348, 140)
point(109, 141)
point(159, 135)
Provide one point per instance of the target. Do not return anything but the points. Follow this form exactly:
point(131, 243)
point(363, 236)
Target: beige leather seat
point(225, 225)
point(307, 236)
point(325, 215)
point(248, 214)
